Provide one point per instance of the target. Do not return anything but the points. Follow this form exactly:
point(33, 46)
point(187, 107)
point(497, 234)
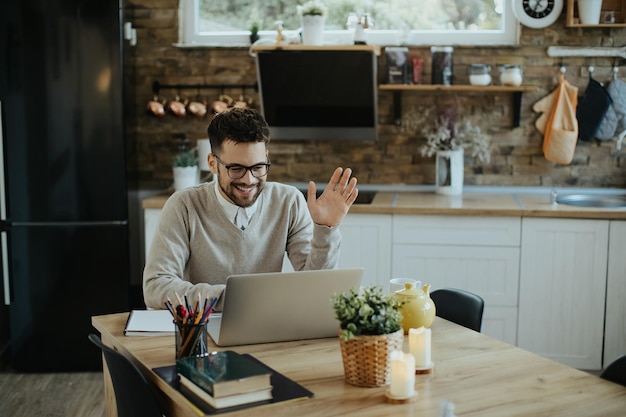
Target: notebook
point(149, 323)
point(280, 306)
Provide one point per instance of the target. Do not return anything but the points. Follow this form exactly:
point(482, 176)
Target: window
point(413, 22)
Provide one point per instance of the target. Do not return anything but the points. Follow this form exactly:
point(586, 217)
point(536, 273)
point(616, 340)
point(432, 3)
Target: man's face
point(245, 190)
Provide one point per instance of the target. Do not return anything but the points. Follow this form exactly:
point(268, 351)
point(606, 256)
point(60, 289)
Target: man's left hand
point(333, 205)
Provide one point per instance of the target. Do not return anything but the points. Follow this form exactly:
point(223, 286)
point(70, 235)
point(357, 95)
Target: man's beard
point(238, 200)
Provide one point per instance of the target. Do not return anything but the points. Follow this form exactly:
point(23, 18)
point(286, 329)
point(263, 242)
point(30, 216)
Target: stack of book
point(225, 379)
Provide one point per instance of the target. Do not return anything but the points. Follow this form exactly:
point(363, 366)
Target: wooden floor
point(51, 395)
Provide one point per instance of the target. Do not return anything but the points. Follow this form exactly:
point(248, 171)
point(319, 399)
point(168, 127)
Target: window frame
point(190, 37)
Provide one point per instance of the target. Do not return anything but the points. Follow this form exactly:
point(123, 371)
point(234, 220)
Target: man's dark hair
point(239, 125)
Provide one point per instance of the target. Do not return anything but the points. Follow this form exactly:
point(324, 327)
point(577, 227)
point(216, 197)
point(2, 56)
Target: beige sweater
point(196, 247)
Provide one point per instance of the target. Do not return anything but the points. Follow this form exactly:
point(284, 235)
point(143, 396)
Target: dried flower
point(447, 133)
point(368, 313)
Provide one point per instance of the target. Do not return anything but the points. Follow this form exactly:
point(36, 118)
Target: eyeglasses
point(239, 171)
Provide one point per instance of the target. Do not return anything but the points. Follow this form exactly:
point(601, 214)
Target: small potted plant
point(185, 165)
point(254, 31)
point(313, 8)
point(313, 14)
point(370, 329)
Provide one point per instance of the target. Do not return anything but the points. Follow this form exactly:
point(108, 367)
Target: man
point(240, 223)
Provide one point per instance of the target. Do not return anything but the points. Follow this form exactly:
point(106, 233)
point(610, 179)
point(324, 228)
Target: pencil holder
point(191, 339)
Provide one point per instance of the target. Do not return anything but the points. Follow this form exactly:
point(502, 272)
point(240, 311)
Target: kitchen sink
point(592, 200)
point(364, 197)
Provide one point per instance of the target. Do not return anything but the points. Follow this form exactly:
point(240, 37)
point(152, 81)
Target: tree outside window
point(416, 20)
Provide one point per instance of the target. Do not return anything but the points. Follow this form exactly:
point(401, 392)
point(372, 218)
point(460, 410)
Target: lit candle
point(419, 346)
point(402, 374)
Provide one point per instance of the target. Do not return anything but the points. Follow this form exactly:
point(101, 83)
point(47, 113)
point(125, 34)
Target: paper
point(149, 323)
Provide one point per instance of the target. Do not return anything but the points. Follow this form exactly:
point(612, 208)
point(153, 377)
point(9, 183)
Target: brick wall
point(517, 159)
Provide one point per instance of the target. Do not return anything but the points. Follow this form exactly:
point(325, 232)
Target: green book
point(224, 373)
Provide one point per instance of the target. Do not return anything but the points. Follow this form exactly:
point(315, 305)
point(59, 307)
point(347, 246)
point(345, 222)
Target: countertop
point(475, 201)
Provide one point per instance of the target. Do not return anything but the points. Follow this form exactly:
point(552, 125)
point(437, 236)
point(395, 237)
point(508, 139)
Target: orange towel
point(558, 122)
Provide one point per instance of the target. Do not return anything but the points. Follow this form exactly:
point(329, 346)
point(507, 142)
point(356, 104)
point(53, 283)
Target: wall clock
point(537, 13)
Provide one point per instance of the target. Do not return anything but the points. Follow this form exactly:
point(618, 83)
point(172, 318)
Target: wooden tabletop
point(482, 376)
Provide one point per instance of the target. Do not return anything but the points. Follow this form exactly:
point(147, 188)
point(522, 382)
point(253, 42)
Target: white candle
point(402, 374)
point(419, 346)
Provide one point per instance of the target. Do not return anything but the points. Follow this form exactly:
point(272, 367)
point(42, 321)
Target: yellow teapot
point(418, 309)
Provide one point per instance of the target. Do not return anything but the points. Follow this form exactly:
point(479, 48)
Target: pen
point(168, 305)
point(188, 306)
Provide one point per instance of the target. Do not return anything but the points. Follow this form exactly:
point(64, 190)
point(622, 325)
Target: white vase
point(449, 175)
point(313, 30)
point(589, 11)
point(185, 177)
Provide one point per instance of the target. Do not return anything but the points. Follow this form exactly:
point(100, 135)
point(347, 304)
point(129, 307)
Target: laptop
point(280, 306)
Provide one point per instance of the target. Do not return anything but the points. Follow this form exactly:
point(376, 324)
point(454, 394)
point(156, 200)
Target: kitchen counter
point(475, 201)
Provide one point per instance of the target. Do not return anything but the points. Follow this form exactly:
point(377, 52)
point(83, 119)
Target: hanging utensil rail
point(156, 86)
point(580, 51)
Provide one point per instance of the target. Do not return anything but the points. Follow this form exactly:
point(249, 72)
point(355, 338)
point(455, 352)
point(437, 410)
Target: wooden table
point(482, 376)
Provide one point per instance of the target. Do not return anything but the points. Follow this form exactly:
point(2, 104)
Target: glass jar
point(479, 74)
point(441, 68)
point(511, 75)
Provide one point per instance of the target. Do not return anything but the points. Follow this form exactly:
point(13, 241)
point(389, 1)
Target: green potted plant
point(370, 329)
point(254, 31)
point(313, 15)
point(185, 166)
point(313, 8)
point(186, 158)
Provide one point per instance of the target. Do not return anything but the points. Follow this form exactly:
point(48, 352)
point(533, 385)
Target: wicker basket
point(366, 358)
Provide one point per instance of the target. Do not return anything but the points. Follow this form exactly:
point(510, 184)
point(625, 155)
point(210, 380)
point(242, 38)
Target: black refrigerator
point(64, 226)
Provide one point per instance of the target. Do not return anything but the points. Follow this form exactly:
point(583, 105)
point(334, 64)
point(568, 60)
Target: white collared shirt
point(232, 209)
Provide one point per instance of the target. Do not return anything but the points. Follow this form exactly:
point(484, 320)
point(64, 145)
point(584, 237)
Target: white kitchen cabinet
point(562, 289)
point(366, 242)
point(478, 254)
point(150, 223)
point(615, 323)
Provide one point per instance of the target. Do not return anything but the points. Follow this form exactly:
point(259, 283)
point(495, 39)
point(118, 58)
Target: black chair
point(459, 306)
point(133, 395)
point(616, 371)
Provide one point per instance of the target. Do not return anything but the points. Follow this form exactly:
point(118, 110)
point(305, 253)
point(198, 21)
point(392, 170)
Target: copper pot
point(178, 106)
point(197, 108)
point(223, 103)
point(156, 106)
point(243, 102)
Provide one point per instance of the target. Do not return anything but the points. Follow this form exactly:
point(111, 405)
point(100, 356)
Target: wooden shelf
point(456, 88)
point(397, 90)
point(300, 47)
point(618, 6)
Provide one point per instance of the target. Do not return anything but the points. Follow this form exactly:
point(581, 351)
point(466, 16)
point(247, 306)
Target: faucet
point(620, 138)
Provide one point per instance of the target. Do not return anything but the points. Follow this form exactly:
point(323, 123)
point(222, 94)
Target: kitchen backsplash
point(516, 158)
